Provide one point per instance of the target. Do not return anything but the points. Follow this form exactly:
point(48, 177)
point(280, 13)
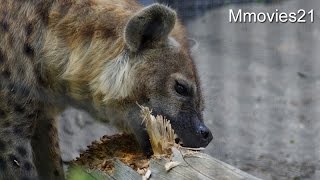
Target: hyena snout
point(194, 134)
point(204, 135)
point(199, 137)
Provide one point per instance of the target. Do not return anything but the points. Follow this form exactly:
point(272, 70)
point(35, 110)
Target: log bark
point(192, 166)
point(119, 157)
point(197, 165)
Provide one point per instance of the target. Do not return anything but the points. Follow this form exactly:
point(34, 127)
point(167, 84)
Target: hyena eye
point(181, 89)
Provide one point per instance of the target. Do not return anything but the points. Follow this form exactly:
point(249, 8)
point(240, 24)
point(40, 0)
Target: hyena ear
point(151, 25)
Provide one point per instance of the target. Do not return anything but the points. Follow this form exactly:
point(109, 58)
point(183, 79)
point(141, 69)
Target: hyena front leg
point(45, 145)
point(16, 159)
point(140, 132)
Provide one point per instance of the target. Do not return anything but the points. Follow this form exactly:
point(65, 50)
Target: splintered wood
point(101, 154)
point(160, 132)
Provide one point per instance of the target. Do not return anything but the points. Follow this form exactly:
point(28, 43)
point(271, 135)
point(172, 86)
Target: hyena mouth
point(178, 140)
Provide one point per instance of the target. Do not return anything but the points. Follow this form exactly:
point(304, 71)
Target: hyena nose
point(206, 135)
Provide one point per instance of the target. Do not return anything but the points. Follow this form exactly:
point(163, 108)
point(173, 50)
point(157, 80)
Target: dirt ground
point(262, 89)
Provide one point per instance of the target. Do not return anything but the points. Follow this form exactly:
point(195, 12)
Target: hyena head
point(162, 76)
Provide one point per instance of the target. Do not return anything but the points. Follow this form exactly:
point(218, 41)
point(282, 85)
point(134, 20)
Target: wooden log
point(119, 157)
point(196, 165)
point(192, 165)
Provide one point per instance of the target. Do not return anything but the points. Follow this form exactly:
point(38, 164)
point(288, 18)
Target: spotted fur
point(102, 56)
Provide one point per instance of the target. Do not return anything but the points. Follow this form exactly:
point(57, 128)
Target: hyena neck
point(84, 47)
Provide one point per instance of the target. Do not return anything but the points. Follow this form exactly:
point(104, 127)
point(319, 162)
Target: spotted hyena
point(102, 56)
